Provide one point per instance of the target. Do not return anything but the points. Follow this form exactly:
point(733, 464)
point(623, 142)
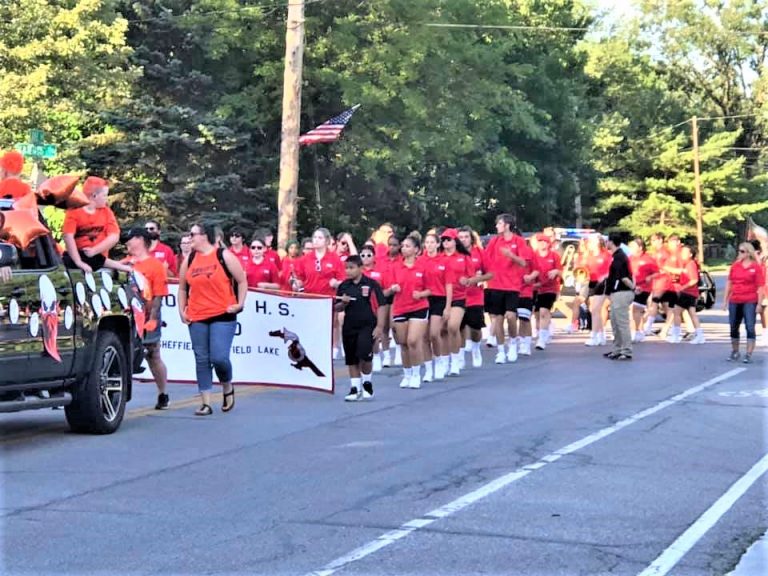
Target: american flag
point(328, 131)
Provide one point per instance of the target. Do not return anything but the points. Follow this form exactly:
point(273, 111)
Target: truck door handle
point(17, 292)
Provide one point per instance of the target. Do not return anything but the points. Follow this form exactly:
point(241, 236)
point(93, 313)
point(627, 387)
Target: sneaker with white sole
point(468, 346)
point(525, 347)
point(698, 338)
point(415, 381)
point(428, 376)
point(593, 340)
point(491, 342)
point(462, 360)
point(501, 358)
point(377, 362)
point(386, 361)
point(455, 369)
point(367, 390)
point(440, 369)
point(477, 358)
point(541, 344)
point(512, 352)
point(354, 395)
point(406, 381)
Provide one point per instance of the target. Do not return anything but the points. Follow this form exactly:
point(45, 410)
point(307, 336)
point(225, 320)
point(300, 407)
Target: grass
point(717, 265)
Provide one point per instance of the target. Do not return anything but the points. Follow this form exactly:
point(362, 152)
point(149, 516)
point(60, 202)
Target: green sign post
point(36, 149)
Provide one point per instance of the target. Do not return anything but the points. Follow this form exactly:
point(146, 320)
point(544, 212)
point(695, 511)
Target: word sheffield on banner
point(280, 341)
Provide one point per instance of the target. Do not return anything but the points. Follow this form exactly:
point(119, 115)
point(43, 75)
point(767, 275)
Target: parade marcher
point(621, 290)
point(185, 248)
point(271, 255)
point(261, 273)
point(238, 248)
point(209, 303)
point(92, 231)
point(345, 246)
point(307, 246)
point(359, 296)
point(548, 273)
point(139, 243)
point(663, 297)
point(688, 294)
point(644, 270)
point(459, 267)
point(673, 266)
point(288, 265)
point(410, 311)
point(11, 185)
point(474, 316)
point(380, 239)
point(390, 259)
point(321, 272)
point(440, 287)
point(526, 304)
point(743, 291)
point(504, 267)
point(372, 270)
point(160, 251)
point(598, 263)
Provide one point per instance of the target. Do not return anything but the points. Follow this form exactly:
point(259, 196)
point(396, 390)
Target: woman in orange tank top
point(209, 305)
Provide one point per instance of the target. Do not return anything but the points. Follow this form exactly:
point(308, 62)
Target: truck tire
point(98, 405)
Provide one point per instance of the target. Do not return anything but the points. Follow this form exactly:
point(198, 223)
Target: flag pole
point(287, 196)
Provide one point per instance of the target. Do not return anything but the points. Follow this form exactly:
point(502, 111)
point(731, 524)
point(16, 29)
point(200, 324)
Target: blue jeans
point(211, 344)
point(738, 313)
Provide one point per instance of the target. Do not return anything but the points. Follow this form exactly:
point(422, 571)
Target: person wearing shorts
point(410, 311)
point(598, 263)
point(155, 285)
point(459, 265)
point(474, 315)
point(525, 304)
point(644, 269)
point(688, 295)
point(505, 279)
point(360, 298)
point(441, 291)
point(548, 273)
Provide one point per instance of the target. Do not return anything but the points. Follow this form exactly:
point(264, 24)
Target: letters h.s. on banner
point(281, 340)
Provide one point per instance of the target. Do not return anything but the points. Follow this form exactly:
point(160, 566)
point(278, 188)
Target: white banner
point(281, 340)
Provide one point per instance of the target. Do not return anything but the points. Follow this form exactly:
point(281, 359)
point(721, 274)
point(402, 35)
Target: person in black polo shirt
point(621, 289)
point(361, 299)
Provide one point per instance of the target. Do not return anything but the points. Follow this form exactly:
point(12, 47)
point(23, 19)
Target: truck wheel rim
point(111, 384)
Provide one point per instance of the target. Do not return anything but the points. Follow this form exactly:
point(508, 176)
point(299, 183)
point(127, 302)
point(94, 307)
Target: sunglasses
point(446, 239)
point(256, 247)
point(150, 229)
point(366, 255)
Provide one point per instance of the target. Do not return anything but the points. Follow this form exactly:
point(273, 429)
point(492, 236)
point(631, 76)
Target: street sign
point(45, 151)
point(37, 137)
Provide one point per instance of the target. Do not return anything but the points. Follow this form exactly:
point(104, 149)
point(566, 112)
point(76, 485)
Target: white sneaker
point(548, 336)
point(335, 353)
point(639, 337)
point(601, 340)
point(593, 340)
point(415, 381)
point(428, 372)
point(406, 381)
point(699, 338)
point(398, 356)
point(525, 347)
point(500, 356)
point(367, 390)
point(440, 369)
point(512, 352)
point(541, 344)
point(468, 346)
point(455, 365)
point(462, 360)
point(386, 361)
point(354, 395)
point(570, 329)
point(377, 362)
point(491, 342)
point(477, 358)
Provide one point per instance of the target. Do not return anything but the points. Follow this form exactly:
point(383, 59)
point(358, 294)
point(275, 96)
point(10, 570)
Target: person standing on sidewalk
point(621, 290)
point(360, 298)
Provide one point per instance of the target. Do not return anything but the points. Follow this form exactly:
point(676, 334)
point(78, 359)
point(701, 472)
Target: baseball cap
point(450, 233)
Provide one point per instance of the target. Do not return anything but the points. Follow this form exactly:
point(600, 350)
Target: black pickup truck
point(67, 338)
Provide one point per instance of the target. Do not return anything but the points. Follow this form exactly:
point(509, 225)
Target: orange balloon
point(21, 228)
point(77, 199)
point(28, 202)
point(56, 190)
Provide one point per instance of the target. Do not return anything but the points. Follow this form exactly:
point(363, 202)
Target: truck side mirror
point(9, 256)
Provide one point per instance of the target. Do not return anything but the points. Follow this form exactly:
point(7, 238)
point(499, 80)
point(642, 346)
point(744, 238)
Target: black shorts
point(474, 318)
point(641, 299)
point(525, 307)
point(499, 302)
point(459, 304)
point(668, 297)
point(96, 262)
point(415, 315)
point(358, 345)
point(597, 288)
point(545, 301)
point(437, 305)
point(686, 301)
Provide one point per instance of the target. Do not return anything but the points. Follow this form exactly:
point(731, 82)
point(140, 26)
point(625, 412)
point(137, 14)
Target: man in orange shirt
point(91, 231)
point(11, 186)
point(155, 289)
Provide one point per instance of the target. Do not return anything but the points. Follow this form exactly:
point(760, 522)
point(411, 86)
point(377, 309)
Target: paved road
point(562, 464)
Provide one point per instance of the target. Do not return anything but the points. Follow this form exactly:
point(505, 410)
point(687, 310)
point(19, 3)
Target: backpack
point(220, 256)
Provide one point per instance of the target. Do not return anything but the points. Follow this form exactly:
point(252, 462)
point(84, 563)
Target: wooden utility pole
point(697, 190)
point(287, 197)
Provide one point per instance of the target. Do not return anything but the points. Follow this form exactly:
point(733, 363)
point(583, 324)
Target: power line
point(510, 27)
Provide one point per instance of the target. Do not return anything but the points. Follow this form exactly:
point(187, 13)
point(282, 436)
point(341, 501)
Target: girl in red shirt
point(460, 271)
point(261, 273)
point(474, 315)
point(687, 288)
point(288, 265)
point(372, 269)
point(547, 273)
point(410, 311)
point(598, 263)
point(744, 289)
point(441, 292)
point(320, 272)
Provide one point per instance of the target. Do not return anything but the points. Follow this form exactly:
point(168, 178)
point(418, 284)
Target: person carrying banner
point(360, 298)
point(139, 243)
point(159, 250)
point(209, 304)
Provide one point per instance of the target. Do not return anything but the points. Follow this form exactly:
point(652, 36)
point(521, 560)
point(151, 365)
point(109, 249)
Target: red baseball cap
point(451, 233)
point(92, 183)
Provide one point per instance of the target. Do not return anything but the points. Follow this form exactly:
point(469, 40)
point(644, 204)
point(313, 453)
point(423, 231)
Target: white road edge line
point(688, 539)
point(503, 481)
